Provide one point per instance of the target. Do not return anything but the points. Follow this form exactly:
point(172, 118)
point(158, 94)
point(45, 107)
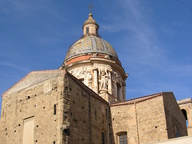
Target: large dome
point(90, 44)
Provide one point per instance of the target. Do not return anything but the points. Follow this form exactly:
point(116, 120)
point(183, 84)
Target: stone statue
point(103, 79)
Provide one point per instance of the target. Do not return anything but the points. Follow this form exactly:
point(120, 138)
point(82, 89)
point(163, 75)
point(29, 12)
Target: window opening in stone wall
point(118, 91)
point(122, 138)
point(55, 109)
point(87, 30)
point(177, 132)
point(66, 132)
point(103, 138)
point(53, 142)
point(185, 115)
point(96, 31)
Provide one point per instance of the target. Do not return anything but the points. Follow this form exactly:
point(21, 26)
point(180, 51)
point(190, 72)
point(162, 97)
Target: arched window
point(87, 30)
point(177, 132)
point(185, 115)
point(118, 91)
point(103, 138)
point(97, 31)
point(122, 137)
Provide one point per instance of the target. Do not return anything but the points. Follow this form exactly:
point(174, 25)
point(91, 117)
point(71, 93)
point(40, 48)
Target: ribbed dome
point(90, 44)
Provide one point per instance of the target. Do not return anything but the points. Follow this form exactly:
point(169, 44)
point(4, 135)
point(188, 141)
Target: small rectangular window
point(123, 138)
point(118, 91)
point(53, 142)
point(96, 31)
point(177, 132)
point(55, 109)
point(87, 30)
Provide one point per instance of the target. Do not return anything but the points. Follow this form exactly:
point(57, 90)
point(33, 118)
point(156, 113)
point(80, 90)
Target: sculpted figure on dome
point(103, 79)
point(78, 73)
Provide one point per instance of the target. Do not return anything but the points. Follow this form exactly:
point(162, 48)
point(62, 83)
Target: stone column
point(120, 93)
point(124, 90)
point(110, 82)
point(95, 80)
point(115, 88)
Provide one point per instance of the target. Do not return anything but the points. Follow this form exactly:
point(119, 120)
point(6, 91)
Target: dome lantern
point(90, 26)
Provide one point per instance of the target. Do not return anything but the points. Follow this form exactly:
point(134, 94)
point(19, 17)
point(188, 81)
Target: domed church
point(93, 61)
point(84, 102)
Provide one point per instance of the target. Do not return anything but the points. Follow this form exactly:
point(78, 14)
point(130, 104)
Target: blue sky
point(153, 39)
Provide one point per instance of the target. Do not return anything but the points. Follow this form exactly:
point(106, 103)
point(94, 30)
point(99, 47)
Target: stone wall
point(151, 120)
point(87, 115)
point(176, 126)
point(123, 119)
point(147, 119)
point(186, 104)
point(181, 140)
point(35, 101)
point(144, 120)
point(64, 111)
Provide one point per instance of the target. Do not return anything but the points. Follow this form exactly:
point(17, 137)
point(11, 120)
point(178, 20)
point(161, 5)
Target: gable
point(33, 78)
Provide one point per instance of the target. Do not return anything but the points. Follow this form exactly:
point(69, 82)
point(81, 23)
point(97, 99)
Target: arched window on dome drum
point(118, 91)
point(96, 31)
point(185, 115)
point(87, 30)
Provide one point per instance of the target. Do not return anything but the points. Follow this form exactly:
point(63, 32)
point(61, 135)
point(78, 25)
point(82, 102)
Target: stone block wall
point(186, 105)
point(35, 101)
point(87, 114)
point(147, 119)
point(143, 120)
point(123, 119)
point(63, 110)
point(151, 120)
point(176, 125)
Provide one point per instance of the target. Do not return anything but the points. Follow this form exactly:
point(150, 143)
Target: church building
point(84, 102)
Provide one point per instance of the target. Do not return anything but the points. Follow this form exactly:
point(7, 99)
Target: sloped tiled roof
point(136, 100)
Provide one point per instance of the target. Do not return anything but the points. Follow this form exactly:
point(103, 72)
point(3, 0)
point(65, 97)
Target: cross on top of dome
point(90, 7)
point(90, 26)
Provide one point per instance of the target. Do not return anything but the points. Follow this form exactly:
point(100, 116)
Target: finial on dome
point(90, 8)
point(90, 26)
point(90, 15)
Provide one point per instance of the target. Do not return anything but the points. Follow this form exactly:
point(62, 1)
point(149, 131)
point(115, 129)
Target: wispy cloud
point(11, 65)
point(23, 9)
point(141, 43)
point(181, 70)
point(143, 53)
